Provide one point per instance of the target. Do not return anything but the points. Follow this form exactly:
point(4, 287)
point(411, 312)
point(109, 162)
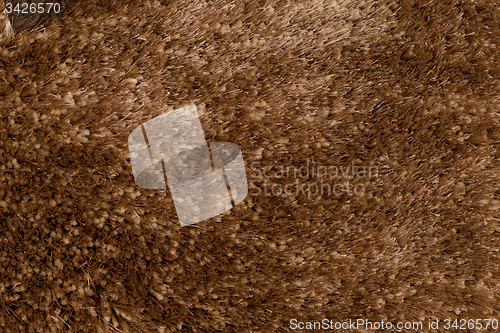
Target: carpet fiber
point(408, 88)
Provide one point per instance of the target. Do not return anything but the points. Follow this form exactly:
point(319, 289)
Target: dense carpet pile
point(408, 87)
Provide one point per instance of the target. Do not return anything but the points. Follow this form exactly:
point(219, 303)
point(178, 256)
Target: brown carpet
point(409, 87)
